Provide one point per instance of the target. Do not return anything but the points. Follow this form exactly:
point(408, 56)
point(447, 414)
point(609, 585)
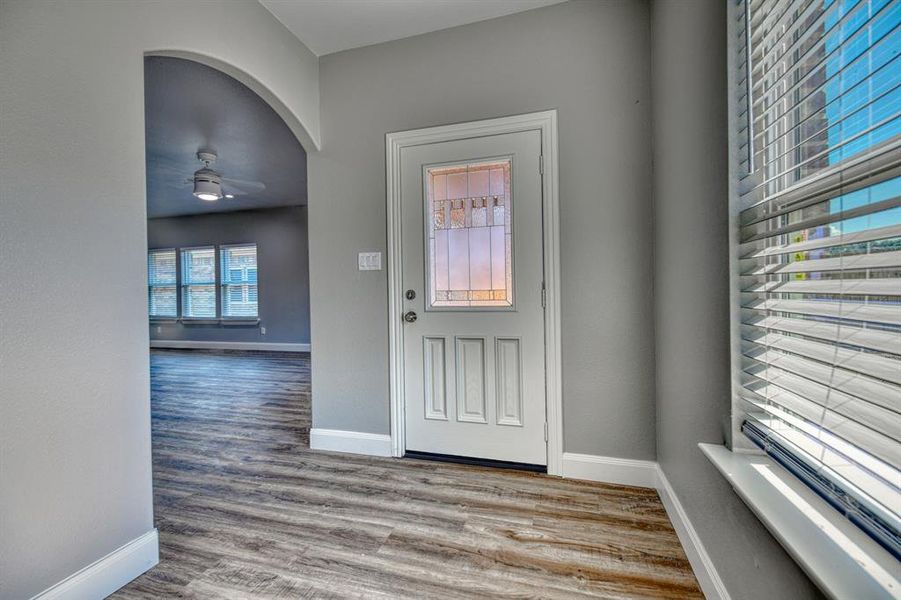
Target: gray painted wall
point(688, 41)
point(283, 270)
point(590, 61)
point(75, 477)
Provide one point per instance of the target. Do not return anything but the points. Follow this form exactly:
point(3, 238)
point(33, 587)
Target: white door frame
point(546, 123)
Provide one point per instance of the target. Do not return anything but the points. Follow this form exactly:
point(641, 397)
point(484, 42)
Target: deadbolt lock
point(410, 294)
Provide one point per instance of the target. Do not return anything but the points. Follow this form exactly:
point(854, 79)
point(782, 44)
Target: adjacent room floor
point(246, 510)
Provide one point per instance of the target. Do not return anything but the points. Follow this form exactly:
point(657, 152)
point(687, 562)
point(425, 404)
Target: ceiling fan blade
point(230, 190)
point(244, 187)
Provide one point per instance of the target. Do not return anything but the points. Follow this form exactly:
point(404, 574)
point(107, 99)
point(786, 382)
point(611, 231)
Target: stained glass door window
point(470, 236)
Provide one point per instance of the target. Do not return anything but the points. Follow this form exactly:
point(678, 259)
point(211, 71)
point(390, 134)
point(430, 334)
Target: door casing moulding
point(544, 122)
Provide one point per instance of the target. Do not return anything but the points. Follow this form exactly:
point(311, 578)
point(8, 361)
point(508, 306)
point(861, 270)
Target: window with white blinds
point(198, 282)
point(239, 280)
point(161, 283)
point(819, 255)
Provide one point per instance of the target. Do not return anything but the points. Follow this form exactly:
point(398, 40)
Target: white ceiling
point(327, 26)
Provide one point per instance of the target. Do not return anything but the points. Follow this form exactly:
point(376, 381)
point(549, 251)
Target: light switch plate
point(370, 261)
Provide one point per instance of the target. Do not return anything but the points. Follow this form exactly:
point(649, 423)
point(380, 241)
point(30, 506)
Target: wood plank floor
point(246, 510)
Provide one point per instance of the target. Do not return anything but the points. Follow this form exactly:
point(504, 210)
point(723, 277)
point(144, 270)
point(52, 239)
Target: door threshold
point(479, 462)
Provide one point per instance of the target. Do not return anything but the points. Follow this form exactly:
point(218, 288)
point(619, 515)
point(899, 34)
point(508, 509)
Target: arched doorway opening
point(228, 289)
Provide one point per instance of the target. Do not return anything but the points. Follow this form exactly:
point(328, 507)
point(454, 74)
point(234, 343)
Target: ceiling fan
point(210, 185)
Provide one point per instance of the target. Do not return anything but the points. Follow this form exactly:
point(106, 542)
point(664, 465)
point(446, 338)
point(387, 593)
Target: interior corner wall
point(75, 461)
point(690, 117)
point(283, 271)
point(587, 59)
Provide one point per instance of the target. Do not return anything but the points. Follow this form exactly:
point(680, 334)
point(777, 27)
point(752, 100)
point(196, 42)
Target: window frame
point(218, 286)
point(222, 285)
point(150, 286)
point(768, 503)
point(183, 285)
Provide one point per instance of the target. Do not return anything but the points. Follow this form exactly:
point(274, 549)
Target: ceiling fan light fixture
point(207, 190)
point(208, 182)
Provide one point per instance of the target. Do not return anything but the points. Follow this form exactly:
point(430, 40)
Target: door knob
point(410, 316)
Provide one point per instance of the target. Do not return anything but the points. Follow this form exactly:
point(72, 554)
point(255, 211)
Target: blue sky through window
point(863, 96)
point(862, 74)
point(867, 196)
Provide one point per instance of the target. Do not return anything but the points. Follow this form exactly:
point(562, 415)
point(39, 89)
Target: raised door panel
point(471, 392)
point(434, 378)
point(508, 374)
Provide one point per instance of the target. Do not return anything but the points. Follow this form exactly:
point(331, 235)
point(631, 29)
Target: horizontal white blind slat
point(877, 340)
point(867, 235)
point(772, 381)
point(879, 314)
point(879, 260)
point(851, 173)
point(786, 405)
point(879, 393)
point(829, 220)
point(889, 286)
point(858, 361)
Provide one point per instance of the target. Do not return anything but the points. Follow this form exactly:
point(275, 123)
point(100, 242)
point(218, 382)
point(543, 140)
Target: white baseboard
point(200, 345)
point(103, 577)
point(607, 469)
point(354, 442)
point(646, 473)
point(708, 578)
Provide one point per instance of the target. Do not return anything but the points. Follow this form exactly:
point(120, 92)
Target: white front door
point(474, 373)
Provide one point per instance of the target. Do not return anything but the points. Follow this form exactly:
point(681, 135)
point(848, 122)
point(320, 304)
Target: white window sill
point(239, 321)
point(840, 558)
point(234, 321)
